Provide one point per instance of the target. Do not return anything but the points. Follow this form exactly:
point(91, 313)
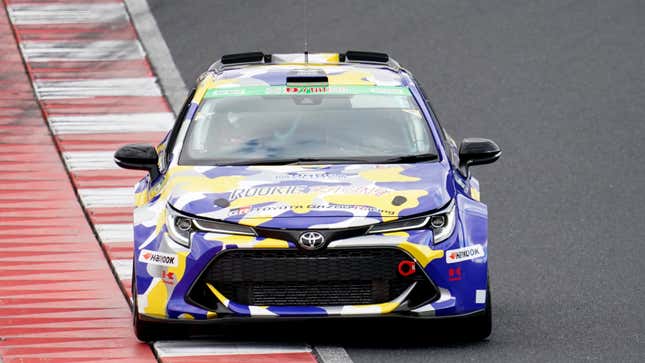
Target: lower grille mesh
point(297, 278)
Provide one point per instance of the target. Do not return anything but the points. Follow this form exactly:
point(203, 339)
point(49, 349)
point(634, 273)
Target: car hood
point(297, 196)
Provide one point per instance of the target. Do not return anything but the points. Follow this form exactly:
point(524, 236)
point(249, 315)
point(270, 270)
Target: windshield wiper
point(409, 159)
point(292, 161)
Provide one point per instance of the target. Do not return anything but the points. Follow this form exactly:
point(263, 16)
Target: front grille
point(295, 278)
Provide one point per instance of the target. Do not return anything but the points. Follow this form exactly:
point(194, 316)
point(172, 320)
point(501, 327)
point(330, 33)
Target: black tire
point(479, 327)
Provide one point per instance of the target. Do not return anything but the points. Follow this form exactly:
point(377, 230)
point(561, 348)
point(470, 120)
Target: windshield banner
point(305, 90)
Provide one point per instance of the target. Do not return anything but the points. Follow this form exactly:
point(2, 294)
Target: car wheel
point(480, 326)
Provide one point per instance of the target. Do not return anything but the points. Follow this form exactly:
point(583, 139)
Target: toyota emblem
point(311, 240)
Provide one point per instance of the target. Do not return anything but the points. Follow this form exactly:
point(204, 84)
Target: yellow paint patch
point(398, 234)
point(298, 202)
point(203, 184)
point(211, 314)
point(157, 300)
point(384, 203)
point(204, 85)
point(423, 254)
point(253, 222)
point(383, 308)
point(271, 243)
point(388, 307)
point(191, 181)
point(224, 82)
point(383, 175)
point(474, 193)
point(353, 77)
point(247, 241)
point(160, 148)
point(218, 294)
point(186, 316)
point(141, 198)
point(229, 239)
point(333, 59)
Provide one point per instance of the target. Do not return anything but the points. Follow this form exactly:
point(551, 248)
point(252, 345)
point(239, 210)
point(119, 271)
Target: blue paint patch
point(420, 237)
point(204, 205)
point(444, 304)
point(141, 185)
point(142, 233)
point(155, 198)
point(297, 310)
point(220, 171)
point(239, 308)
point(143, 278)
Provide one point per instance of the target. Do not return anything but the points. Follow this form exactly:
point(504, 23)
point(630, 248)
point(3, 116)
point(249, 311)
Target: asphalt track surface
point(560, 86)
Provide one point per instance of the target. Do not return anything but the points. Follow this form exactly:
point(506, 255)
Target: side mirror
point(139, 157)
point(475, 151)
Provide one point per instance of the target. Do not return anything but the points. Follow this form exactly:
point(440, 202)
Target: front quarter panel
point(467, 280)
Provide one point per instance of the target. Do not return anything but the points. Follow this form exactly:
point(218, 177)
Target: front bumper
point(164, 292)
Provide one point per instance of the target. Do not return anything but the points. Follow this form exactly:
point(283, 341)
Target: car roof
point(274, 73)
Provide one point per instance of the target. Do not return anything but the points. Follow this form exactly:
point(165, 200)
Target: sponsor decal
point(158, 258)
point(305, 90)
point(239, 211)
point(311, 175)
point(480, 296)
point(264, 191)
point(464, 254)
point(454, 274)
point(351, 207)
point(305, 189)
point(167, 277)
point(349, 189)
point(254, 211)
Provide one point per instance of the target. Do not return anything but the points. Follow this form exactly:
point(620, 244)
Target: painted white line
point(28, 14)
point(47, 90)
point(123, 268)
point(89, 160)
point(115, 232)
point(332, 354)
point(88, 124)
point(206, 347)
point(106, 197)
point(158, 53)
point(105, 50)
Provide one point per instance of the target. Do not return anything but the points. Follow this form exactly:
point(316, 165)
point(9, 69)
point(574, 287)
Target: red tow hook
point(407, 268)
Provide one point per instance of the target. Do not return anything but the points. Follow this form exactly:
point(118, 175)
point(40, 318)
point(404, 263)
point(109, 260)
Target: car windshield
point(289, 124)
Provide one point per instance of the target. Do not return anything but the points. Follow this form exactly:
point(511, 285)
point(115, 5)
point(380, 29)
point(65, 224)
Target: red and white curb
point(98, 92)
point(219, 352)
point(58, 300)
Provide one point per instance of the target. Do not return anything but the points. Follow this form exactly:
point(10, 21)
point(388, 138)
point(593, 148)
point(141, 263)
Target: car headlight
point(441, 222)
point(180, 226)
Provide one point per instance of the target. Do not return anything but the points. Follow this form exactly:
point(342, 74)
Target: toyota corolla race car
point(308, 185)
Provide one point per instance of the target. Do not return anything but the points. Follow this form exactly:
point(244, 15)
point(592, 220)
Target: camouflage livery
point(304, 197)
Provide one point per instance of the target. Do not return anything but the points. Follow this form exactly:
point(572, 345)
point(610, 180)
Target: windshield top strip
point(306, 90)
